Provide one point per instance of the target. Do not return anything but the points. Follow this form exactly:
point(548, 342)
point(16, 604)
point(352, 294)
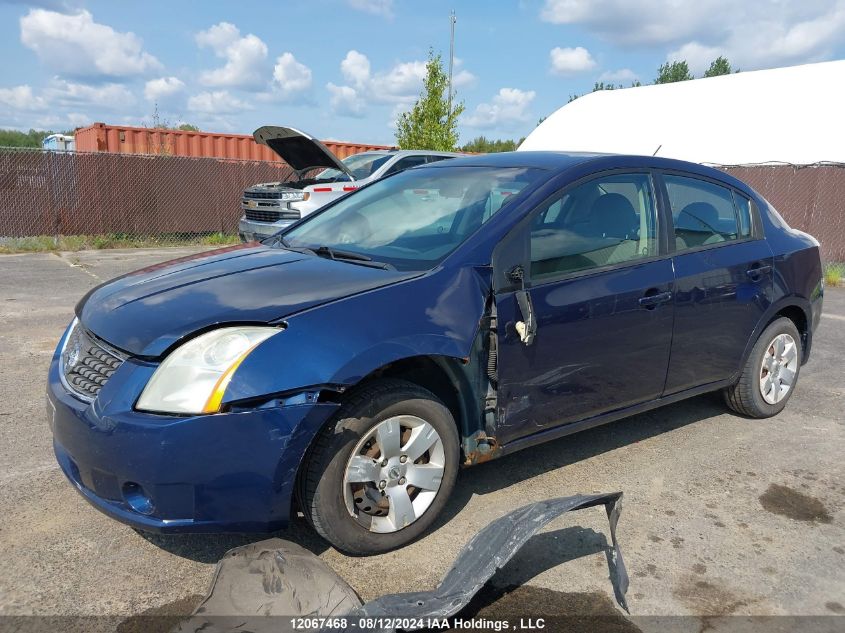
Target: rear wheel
point(376, 476)
point(770, 373)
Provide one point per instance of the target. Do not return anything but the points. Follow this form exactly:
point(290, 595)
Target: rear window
point(703, 213)
point(743, 210)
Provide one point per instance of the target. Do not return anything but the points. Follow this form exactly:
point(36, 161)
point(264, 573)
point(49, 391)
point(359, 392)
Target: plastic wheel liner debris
point(279, 578)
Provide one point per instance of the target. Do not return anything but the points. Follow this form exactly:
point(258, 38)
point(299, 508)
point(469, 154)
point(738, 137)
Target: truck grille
point(263, 195)
point(268, 215)
point(87, 364)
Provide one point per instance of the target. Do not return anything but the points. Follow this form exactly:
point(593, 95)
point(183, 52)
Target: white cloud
point(345, 101)
point(623, 76)
point(795, 34)
point(78, 119)
point(568, 61)
point(217, 102)
point(62, 104)
point(462, 78)
point(508, 107)
point(377, 7)
point(163, 88)
point(697, 56)
point(400, 84)
point(75, 45)
point(21, 98)
point(290, 77)
point(751, 34)
point(109, 96)
point(355, 68)
point(246, 58)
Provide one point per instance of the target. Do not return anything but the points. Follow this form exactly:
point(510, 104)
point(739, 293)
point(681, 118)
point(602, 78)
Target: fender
point(784, 302)
point(338, 344)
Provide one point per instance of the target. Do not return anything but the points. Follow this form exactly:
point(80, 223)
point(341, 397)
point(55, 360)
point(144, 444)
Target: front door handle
point(756, 272)
point(651, 301)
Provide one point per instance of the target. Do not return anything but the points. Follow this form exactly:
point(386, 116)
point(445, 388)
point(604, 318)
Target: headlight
point(194, 377)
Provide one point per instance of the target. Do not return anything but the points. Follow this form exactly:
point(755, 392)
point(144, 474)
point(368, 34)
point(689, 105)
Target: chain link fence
point(92, 200)
point(85, 200)
point(809, 197)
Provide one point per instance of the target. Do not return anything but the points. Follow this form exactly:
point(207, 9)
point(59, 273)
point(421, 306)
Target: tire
point(747, 396)
point(361, 517)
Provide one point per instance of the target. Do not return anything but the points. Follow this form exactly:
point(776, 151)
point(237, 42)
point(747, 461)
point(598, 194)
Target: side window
point(703, 213)
point(406, 163)
point(605, 221)
point(743, 210)
point(433, 158)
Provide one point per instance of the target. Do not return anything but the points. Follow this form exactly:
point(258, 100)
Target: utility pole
point(452, 20)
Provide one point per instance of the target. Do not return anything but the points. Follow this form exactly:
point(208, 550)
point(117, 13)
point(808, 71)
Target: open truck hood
point(298, 149)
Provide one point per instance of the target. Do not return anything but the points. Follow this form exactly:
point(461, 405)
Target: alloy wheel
point(394, 473)
point(779, 368)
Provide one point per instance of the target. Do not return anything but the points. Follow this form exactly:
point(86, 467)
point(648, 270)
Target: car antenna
point(657, 150)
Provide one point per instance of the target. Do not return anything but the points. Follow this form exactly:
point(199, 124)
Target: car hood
point(298, 149)
point(145, 312)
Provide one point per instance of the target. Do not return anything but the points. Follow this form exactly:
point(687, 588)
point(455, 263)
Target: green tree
point(16, 138)
point(719, 66)
point(600, 85)
point(483, 145)
point(187, 127)
point(670, 73)
point(429, 124)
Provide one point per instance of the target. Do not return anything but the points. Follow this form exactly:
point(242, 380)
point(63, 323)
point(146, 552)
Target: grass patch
point(43, 243)
point(834, 272)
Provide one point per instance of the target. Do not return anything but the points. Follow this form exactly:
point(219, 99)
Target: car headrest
point(698, 216)
point(613, 215)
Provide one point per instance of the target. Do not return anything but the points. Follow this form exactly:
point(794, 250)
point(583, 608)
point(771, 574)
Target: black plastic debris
point(279, 578)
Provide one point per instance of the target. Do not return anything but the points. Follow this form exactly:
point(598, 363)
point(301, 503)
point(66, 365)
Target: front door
point(599, 289)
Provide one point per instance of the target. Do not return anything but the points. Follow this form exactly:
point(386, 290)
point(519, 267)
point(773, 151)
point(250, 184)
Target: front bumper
point(250, 230)
point(229, 472)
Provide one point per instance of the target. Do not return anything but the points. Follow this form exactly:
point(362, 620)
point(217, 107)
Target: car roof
point(407, 152)
point(543, 160)
point(425, 152)
point(562, 161)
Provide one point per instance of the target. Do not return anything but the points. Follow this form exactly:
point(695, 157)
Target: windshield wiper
point(350, 257)
point(333, 253)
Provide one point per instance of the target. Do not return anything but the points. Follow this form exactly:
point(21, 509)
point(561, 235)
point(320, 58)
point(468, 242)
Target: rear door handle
point(756, 271)
point(653, 300)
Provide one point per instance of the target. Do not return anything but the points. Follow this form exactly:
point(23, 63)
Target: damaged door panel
point(279, 578)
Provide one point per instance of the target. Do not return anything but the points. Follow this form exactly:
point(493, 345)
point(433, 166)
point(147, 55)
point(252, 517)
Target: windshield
point(414, 219)
point(361, 165)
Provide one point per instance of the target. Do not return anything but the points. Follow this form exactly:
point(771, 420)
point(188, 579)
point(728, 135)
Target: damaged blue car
point(444, 316)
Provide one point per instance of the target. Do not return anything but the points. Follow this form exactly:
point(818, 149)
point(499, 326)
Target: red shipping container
point(117, 139)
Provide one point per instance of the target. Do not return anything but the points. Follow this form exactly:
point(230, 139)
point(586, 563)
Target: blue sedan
point(444, 316)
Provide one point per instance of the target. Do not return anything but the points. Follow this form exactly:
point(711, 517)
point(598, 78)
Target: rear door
point(597, 283)
point(723, 278)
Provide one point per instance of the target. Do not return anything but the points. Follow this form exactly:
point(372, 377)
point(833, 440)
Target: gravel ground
point(722, 515)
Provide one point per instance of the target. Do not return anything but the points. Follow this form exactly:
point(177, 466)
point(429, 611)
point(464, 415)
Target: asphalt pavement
point(722, 515)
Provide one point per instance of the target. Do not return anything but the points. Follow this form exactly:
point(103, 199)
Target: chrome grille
point(263, 195)
point(87, 364)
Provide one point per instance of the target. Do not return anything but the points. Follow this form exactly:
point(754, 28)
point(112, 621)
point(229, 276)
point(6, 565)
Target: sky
point(344, 69)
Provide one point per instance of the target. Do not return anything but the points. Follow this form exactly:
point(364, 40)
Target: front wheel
point(770, 373)
point(377, 476)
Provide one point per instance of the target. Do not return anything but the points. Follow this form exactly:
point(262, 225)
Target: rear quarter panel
point(797, 271)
